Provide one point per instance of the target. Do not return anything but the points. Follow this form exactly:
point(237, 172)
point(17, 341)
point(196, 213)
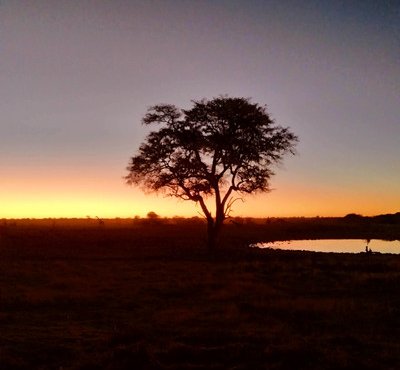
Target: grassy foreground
point(147, 296)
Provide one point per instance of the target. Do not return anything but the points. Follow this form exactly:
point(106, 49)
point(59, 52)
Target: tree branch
point(205, 209)
point(229, 205)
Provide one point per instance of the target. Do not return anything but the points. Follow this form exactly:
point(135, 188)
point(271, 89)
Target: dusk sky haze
point(76, 78)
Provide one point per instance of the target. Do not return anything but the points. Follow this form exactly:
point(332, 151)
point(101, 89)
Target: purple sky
point(77, 76)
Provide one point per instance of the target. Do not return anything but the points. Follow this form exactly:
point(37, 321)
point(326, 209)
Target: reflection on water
point(335, 245)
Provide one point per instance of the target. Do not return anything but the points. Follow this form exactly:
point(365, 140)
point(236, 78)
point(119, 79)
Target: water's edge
point(335, 245)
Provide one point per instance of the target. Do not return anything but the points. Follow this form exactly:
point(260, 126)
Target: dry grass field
point(77, 294)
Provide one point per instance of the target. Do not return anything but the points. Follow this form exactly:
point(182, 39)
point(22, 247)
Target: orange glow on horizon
point(126, 202)
point(69, 194)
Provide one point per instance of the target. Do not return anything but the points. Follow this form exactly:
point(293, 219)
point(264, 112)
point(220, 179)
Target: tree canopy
point(217, 148)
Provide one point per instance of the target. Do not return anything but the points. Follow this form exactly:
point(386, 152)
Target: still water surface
point(335, 245)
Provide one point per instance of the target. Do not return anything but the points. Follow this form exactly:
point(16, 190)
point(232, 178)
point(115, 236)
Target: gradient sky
point(76, 77)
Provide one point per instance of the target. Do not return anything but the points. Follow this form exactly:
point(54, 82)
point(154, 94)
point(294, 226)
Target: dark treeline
point(152, 217)
point(382, 219)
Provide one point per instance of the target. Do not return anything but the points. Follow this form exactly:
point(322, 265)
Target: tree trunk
point(213, 231)
point(211, 237)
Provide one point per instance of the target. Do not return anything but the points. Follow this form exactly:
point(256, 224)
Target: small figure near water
point(367, 249)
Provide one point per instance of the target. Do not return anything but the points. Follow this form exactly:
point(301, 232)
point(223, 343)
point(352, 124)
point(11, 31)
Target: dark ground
point(146, 295)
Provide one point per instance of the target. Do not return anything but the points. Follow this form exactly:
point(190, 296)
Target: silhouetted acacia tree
point(217, 148)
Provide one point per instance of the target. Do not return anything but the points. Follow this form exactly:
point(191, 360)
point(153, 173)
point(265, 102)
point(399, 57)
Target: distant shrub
point(353, 217)
point(153, 216)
